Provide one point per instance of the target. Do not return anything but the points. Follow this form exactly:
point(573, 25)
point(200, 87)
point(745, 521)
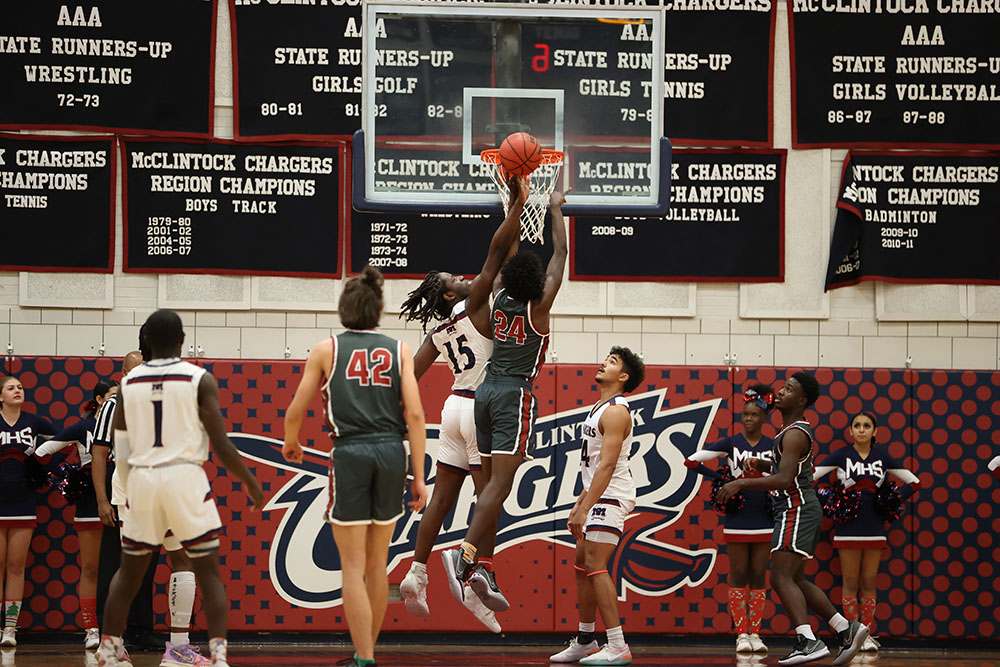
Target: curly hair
point(631, 364)
point(360, 305)
point(810, 387)
point(427, 301)
point(523, 276)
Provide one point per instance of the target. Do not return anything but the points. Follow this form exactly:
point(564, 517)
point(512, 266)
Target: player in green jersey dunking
point(505, 406)
point(367, 383)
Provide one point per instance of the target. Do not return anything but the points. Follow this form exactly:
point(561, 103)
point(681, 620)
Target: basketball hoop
point(543, 182)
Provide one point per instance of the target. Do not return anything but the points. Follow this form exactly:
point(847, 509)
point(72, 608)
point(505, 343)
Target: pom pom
point(73, 482)
point(888, 502)
point(839, 503)
point(735, 503)
point(35, 474)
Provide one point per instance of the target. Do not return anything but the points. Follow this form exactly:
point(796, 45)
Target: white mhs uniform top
point(621, 487)
point(161, 412)
point(465, 349)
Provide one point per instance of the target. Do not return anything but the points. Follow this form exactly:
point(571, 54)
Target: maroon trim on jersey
point(449, 323)
point(324, 392)
point(526, 399)
point(464, 393)
point(609, 501)
point(791, 522)
point(540, 359)
point(159, 378)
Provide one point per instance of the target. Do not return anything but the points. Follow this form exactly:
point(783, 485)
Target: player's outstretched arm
point(557, 263)
point(615, 424)
point(416, 427)
point(425, 356)
point(506, 236)
point(320, 358)
point(211, 417)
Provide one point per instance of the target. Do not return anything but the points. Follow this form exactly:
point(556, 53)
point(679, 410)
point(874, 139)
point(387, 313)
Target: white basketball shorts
point(457, 440)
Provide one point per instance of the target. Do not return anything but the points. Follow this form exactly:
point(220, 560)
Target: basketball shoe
point(575, 651)
point(609, 655)
point(413, 588)
point(806, 650)
point(112, 653)
point(481, 611)
point(183, 655)
point(484, 583)
point(91, 639)
point(851, 641)
point(457, 569)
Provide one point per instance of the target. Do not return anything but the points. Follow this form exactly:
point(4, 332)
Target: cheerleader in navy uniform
point(19, 433)
point(860, 540)
point(748, 530)
point(87, 521)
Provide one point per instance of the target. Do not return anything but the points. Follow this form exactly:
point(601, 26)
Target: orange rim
point(492, 156)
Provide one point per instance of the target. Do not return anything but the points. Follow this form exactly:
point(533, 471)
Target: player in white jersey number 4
point(168, 414)
point(598, 517)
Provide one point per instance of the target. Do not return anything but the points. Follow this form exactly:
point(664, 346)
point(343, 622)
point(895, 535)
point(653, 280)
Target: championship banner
point(726, 221)
point(894, 73)
point(720, 95)
point(57, 203)
point(917, 218)
point(113, 65)
point(296, 69)
point(221, 207)
point(282, 571)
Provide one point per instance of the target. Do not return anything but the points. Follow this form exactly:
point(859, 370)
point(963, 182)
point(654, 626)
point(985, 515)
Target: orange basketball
point(520, 154)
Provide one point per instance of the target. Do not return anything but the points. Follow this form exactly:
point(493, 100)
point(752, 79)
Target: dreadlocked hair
point(427, 301)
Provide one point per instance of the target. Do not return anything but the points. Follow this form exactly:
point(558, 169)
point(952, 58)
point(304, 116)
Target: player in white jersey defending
point(598, 517)
point(168, 415)
point(465, 340)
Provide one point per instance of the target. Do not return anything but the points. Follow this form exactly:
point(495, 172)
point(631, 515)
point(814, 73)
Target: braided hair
point(427, 301)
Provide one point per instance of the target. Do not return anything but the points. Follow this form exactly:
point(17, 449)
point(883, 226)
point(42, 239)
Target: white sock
point(418, 567)
point(180, 593)
point(839, 623)
point(805, 630)
point(616, 638)
point(587, 627)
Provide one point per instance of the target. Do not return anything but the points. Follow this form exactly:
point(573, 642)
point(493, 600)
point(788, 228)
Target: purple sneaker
point(184, 655)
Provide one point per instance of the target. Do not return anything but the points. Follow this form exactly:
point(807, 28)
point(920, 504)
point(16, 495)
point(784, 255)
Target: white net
point(541, 181)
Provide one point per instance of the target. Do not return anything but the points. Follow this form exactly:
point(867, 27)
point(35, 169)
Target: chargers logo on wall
point(305, 565)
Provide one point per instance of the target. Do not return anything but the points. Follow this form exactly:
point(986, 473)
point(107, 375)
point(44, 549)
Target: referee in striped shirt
point(139, 634)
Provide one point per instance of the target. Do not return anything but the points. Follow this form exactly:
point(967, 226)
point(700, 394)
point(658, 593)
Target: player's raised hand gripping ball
point(520, 154)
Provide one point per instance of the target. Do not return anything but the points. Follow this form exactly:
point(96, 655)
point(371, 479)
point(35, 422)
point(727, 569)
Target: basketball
point(520, 154)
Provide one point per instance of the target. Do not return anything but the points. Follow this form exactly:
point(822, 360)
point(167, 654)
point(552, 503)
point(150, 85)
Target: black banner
point(114, 65)
point(409, 245)
point(57, 197)
point(297, 69)
point(917, 218)
point(717, 85)
point(726, 220)
point(894, 74)
point(220, 207)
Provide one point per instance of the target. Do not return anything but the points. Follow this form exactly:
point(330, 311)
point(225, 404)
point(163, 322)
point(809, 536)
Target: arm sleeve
point(910, 481)
point(75, 433)
point(831, 463)
point(713, 451)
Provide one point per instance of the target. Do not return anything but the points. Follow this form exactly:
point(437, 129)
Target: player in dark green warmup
point(797, 516)
point(505, 404)
point(367, 382)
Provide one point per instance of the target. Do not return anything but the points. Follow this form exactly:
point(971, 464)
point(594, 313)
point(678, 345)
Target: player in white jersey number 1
point(168, 414)
point(465, 341)
point(598, 517)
